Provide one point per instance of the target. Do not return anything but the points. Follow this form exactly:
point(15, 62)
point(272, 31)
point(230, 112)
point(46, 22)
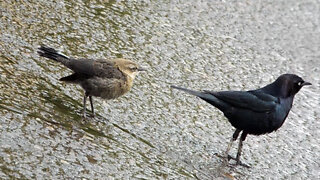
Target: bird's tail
point(195, 93)
point(209, 98)
point(52, 54)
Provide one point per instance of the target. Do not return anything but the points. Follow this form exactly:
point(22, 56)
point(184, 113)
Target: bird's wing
point(253, 100)
point(107, 69)
point(100, 68)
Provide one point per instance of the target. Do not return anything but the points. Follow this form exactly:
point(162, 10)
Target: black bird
point(105, 78)
point(254, 112)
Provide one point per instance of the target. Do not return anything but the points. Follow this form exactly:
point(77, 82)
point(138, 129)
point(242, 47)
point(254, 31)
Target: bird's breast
point(106, 88)
point(281, 112)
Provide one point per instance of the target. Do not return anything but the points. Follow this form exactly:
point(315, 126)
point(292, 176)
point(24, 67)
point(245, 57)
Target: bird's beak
point(305, 84)
point(141, 69)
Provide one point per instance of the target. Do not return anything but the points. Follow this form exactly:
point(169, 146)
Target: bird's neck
point(279, 90)
point(129, 81)
point(276, 89)
point(287, 102)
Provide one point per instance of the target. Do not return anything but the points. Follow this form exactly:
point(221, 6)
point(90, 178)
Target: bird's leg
point(242, 138)
point(228, 149)
point(239, 151)
point(234, 137)
point(84, 105)
point(91, 102)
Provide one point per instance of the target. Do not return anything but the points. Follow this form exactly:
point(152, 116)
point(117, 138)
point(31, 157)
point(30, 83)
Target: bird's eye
point(133, 68)
point(299, 83)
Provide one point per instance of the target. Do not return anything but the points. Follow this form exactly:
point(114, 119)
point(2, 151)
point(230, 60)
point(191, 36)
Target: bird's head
point(129, 68)
point(290, 84)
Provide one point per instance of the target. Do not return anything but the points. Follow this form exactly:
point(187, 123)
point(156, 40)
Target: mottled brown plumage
point(103, 78)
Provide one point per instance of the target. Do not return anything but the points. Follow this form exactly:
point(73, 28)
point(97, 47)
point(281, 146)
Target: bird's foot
point(229, 157)
point(88, 115)
point(225, 158)
point(238, 162)
point(84, 119)
point(92, 115)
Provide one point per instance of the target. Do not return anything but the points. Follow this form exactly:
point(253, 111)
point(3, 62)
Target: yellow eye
point(299, 83)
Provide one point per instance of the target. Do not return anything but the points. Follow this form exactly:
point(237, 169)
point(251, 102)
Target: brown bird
point(104, 78)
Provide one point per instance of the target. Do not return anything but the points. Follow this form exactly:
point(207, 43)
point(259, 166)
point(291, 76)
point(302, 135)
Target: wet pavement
point(154, 132)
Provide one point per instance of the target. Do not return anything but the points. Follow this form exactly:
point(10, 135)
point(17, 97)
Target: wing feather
point(257, 101)
point(99, 68)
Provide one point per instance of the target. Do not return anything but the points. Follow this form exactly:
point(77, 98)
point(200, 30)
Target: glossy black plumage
point(257, 111)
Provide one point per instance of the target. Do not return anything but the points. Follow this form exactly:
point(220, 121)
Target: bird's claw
point(83, 118)
point(225, 158)
point(88, 115)
point(238, 162)
point(242, 164)
point(229, 157)
point(92, 115)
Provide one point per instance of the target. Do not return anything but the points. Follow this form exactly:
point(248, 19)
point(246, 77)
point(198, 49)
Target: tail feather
point(211, 99)
point(52, 54)
point(195, 93)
